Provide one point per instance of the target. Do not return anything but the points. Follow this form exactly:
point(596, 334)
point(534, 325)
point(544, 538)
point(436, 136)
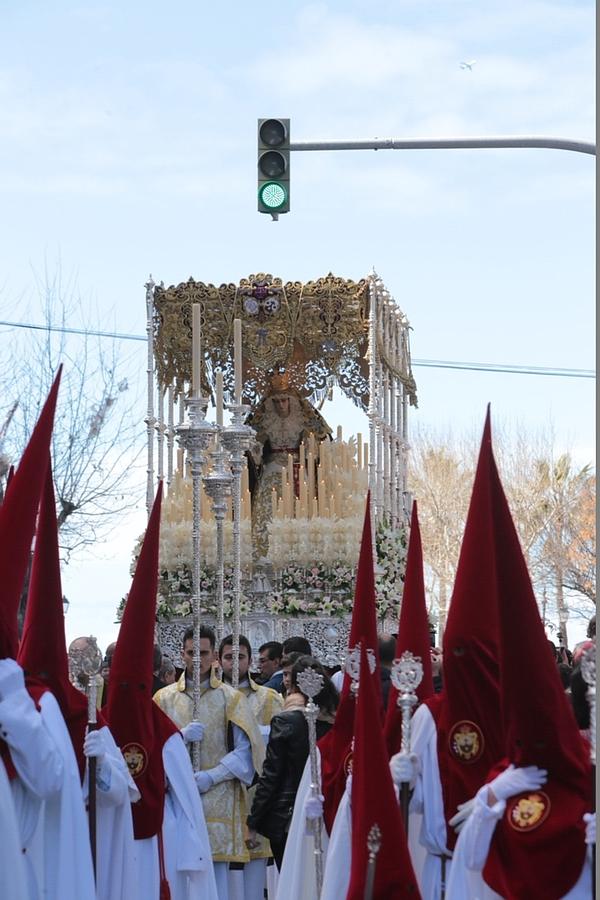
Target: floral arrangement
point(314, 562)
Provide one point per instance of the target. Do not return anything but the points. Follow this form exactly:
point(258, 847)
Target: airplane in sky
point(468, 65)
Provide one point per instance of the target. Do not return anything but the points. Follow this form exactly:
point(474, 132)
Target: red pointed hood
point(335, 746)
point(43, 649)
point(413, 632)
point(374, 802)
point(543, 862)
point(470, 736)
point(139, 727)
point(17, 522)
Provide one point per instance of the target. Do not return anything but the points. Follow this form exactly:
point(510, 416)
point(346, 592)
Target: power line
point(504, 369)
point(418, 363)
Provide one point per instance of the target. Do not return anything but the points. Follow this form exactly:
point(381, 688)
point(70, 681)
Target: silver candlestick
point(352, 665)
point(237, 438)
point(217, 485)
point(406, 676)
point(194, 436)
point(310, 683)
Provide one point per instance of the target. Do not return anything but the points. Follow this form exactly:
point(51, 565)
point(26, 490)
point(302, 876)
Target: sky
point(128, 147)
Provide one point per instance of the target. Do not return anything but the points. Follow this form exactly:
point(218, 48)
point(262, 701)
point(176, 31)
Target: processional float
point(262, 515)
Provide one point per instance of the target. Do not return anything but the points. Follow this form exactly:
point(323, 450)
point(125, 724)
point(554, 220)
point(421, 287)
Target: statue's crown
point(280, 381)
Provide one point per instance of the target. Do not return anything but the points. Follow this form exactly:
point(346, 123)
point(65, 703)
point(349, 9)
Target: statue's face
point(281, 405)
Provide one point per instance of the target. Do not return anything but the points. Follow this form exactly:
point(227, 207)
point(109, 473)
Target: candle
point(273, 503)
point(283, 481)
point(359, 450)
point(196, 349)
point(237, 358)
point(311, 477)
point(339, 432)
point(321, 498)
point(315, 508)
point(219, 396)
point(366, 456)
point(291, 471)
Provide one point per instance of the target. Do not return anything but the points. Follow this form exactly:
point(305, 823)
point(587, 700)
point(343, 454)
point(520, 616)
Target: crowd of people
point(134, 790)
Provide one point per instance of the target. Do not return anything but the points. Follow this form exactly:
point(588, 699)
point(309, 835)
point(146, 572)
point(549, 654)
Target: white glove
point(514, 781)
point(464, 811)
point(590, 828)
point(203, 781)
point(313, 806)
point(11, 678)
point(193, 732)
point(93, 745)
point(404, 768)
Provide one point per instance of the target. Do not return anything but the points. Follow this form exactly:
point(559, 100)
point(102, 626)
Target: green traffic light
point(272, 195)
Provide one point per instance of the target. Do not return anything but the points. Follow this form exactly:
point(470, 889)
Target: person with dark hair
point(287, 663)
point(232, 750)
point(387, 651)
point(287, 752)
point(591, 629)
point(264, 703)
point(269, 663)
point(296, 644)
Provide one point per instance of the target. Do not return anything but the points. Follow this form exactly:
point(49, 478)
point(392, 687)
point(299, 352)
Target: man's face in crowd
point(436, 661)
point(281, 405)
point(227, 661)
point(206, 656)
point(267, 666)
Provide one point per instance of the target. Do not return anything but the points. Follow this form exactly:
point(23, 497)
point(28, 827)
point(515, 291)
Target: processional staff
point(373, 846)
point(406, 676)
point(194, 437)
point(310, 683)
point(588, 672)
point(84, 666)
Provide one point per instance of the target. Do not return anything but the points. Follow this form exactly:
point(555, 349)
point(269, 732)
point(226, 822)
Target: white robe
point(13, 878)
point(471, 851)
point(53, 826)
point(297, 879)
point(115, 792)
point(188, 860)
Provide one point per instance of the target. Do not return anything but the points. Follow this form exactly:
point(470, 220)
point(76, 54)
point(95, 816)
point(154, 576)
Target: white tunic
point(188, 860)
point(53, 826)
point(115, 792)
point(13, 879)
point(297, 879)
point(471, 851)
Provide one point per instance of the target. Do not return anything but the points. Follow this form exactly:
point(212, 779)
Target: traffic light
point(274, 166)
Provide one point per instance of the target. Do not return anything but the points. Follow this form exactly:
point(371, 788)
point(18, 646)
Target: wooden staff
point(373, 846)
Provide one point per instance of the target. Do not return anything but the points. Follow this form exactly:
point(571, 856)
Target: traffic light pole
point(518, 141)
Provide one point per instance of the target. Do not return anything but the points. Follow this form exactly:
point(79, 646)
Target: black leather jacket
point(287, 752)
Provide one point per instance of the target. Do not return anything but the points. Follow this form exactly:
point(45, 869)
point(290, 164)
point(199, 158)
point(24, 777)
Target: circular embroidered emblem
point(348, 762)
point(528, 811)
point(466, 741)
point(136, 758)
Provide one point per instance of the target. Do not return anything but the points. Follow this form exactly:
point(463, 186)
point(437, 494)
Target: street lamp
point(65, 604)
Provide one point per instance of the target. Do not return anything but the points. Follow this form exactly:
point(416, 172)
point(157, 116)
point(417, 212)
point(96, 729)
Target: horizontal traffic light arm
point(518, 141)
